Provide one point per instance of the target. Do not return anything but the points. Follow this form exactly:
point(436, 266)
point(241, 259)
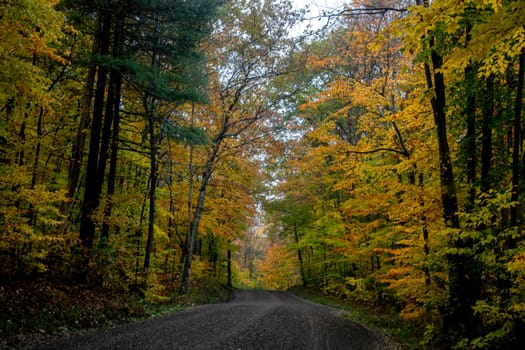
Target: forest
point(154, 148)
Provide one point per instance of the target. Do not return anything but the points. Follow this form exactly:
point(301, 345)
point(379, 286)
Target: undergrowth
point(36, 311)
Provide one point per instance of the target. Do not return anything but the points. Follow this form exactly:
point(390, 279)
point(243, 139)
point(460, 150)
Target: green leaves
point(185, 134)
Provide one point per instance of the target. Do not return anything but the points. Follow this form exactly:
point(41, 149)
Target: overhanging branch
point(359, 11)
point(382, 149)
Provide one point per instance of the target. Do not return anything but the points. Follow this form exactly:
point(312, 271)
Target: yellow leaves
point(495, 5)
point(40, 196)
point(497, 34)
point(357, 283)
point(517, 264)
point(518, 309)
point(277, 270)
point(30, 32)
point(161, 236)
point(412, 312)
point(499, 41)
point(32, 25)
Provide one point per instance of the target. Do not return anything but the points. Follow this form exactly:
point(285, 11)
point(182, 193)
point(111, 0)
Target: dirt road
point(252, 320)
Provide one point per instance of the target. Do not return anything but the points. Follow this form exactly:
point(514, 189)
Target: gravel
point(251, 320)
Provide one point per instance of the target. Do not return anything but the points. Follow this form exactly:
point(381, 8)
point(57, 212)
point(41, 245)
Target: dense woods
point(152, 147)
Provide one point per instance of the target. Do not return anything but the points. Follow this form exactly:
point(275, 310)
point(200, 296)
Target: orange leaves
point(367, 166)
point(31, 26)
point(278, 270)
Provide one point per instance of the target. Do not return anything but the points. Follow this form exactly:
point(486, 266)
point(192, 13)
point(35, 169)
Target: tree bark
point(111, 179)
point(152, 189)
point(38, 147)
point(77, 152)
point(486, 136)
point(470, 139)
point(193, 222)
point(20, 157)
point(194, 227)
point(448, 185)
point(424, 224)
point(516, 149)
point(463, 272)
point(92, 192)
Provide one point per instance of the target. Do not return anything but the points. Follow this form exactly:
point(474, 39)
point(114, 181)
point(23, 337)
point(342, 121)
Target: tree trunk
point(22, 136)
point(448, 186)
point(230, 282)
point(193, 223)
point(194, 227)
point(77, 151)
point(300, 257)
point(470, 112)
point(470, 139)
point(426, 246)
point(486, 136)
point(32, 213)
point(92, 192)
point(112, 174)
point(463, 272)
point(149, 110)
point(104, 235)
point(152, 188)
point(187, 249)
point(38, 147)
point(516, 149)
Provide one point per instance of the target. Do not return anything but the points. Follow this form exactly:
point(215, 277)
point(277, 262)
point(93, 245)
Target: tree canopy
point(155, 147)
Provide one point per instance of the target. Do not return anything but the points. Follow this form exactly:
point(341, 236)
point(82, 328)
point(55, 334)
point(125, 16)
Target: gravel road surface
point(252, 320)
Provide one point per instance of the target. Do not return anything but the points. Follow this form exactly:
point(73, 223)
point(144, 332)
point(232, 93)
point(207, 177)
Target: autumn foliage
point(130, 138)
point(148, 147)
point(404, 188)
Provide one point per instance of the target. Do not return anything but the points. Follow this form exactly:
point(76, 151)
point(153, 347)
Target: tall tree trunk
point(105, 138)
point(448, 185)
point(470, 139)
point(189, 208)
point(149, 110)
point(77, 151)
point(152, 186)
point(194, 227)
point(92, 192)
point(470, 112)
point(517, 146)
point(486, 135)
point(463, 272)
point(172, 223)
point(104, 235)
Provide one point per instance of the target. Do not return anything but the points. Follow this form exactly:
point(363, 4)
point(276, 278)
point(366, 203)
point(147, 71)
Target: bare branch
point(365, 10)
point(377, 150)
